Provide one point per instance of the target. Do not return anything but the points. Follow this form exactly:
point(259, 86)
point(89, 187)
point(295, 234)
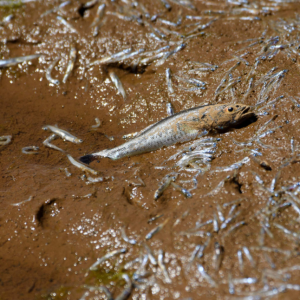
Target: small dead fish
point(182, 190)
point(218, 256)
point(183, 216)
point(141, 272)
point(126, 238)
point(193, 81)
point(90, 4)
point(150, 254)
point(111, 58)
point(168, 54)
point(206, 276)
point(70, 66)
point(154, 218)
point(156, 229)
point(215, 223)
point(4, 63)
point(246, 280)
point(164, 186)
point(68, 174)
point(5, 140)
point(97, 21)
point(220, 213)
point(128, 288)
point(117, 82)
point(121, 16)
point(98, 123)
point(148, 60)
point(91, 180)
point(47, 142)
point(249, 256)
point(81, 166)
point(181, 127)
point(230, 284)
point(99, 15)
point(49, 71)
point(162, 266)
point(66, 24)
point(129, 55)
point(22, 202)
point(156, 33)
point(241, 261)
point(30, 150)
point(170, 109)
point(55, 9)
point(106, 257)
point(169, 81)
point(154, 52)
point(63, 134)
point(234, 227)
point(6, 20)
point(166, 4)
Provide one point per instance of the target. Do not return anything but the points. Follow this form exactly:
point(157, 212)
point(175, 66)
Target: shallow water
point(49, 242)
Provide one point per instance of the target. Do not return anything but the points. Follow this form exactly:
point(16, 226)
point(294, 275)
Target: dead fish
point(49, 70)
point(66, 24)
point(81, 166)
point(98, 124)
point(66, 136)
point(156, 229)
point(169, 81)
point(128, 288)
point(179, 128)
point(111, 254)
point(5, 140)
point(117, 82)
point(182, 190)
point(164, 185)
point(4, 63)
point(163, 267)
point(30, 150)
point(170, 109)
point(70, 66)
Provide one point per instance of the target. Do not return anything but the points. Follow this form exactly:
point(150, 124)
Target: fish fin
point(87, 158)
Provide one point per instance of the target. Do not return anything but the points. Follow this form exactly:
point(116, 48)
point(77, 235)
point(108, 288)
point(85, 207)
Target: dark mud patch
point(46, 213)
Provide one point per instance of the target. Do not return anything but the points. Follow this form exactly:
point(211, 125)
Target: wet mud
point(227, 224)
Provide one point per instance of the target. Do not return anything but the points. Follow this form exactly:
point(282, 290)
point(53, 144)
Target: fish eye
point(230, 109)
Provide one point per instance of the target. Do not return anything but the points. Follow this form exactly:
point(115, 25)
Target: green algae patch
point(105, 277)
point(59, 294)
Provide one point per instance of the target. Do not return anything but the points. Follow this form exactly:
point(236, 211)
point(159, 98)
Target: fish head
point(78, 141)
point(230, 115)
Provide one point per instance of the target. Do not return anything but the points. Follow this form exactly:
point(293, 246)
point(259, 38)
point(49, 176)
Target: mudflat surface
point(236, 237)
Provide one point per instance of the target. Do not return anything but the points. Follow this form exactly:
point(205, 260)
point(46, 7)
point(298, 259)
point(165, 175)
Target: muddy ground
point(48, 243)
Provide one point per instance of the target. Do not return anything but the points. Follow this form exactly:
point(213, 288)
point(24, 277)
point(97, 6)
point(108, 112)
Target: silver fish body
point(178, 128)
point(63, 134)
point(4, 63)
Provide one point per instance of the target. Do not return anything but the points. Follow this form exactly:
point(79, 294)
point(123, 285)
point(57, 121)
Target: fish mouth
point(245, 113)
point(246, 109)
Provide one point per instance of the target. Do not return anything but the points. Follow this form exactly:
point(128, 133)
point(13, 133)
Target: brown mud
point(47, 244)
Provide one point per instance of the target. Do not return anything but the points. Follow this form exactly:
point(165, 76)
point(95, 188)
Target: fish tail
point(86, 159)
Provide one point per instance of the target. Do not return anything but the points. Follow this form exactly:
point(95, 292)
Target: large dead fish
point(179, 128)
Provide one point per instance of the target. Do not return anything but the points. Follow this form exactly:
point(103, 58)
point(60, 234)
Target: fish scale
point(178, 128)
